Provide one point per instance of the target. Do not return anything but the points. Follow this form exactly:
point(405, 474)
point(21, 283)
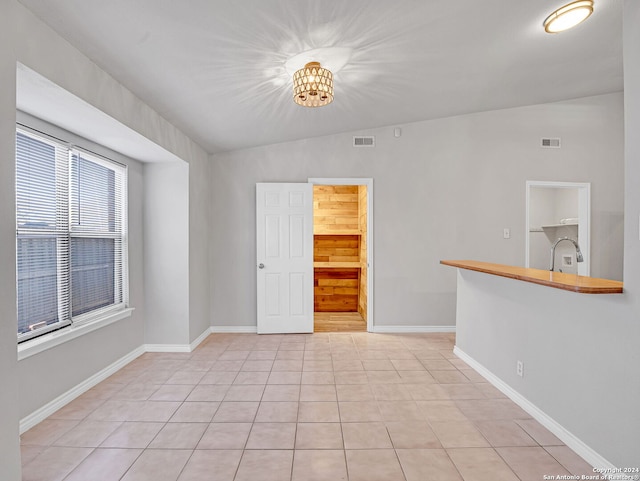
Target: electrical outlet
point(520, 368)
point(506, 233)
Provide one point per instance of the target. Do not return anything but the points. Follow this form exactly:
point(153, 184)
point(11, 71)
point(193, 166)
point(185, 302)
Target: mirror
point(556, 210)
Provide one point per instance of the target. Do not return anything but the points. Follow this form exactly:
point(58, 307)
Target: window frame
point(71, 326)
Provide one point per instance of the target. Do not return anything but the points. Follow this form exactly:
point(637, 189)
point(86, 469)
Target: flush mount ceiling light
point(568, 16)
point(313, 86)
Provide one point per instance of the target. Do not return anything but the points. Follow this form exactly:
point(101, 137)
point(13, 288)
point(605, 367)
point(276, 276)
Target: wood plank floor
point(339, 322)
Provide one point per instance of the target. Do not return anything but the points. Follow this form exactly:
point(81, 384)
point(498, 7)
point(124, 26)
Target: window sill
point(42, 343)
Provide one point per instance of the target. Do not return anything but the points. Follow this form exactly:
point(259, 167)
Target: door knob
point(261, 266)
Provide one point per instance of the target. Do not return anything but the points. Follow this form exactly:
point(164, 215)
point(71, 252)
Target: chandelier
point(313, 86)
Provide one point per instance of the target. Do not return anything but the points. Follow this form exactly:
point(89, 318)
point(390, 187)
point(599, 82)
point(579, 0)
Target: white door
point(284, 262)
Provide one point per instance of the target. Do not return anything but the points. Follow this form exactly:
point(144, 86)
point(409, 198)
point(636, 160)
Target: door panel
point(284, 262)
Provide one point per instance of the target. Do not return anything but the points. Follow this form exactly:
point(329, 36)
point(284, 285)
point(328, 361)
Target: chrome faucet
point(579, 257)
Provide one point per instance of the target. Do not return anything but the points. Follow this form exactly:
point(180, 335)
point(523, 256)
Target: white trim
point(368, 181)
point(418, 329)
point(235, 329)
point(167, 348)
point(198, 340)
point(48, 409)
point(55, 338)
point(572, 441)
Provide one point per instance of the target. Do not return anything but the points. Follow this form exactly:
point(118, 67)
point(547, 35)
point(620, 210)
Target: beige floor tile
point(412, 435)
point(383, 377)
point(158, 465)
point(348, 364)
point(489, 391)
point(427, 464)
point(359, 411)
point(265, 465)
point(172, 392)
point(272, 436)
point(104, 465)
point(251, 378)
point(132, 435)
point(449, 377)
point(319, 465)
point(87, 434)
point(319, 436)
point(284, 377)
point(154, 411)
point(47, 431)
point(289, 355)
point(233, 355)
point(441, 411)
point(294, 365)
point(570, 460)
point(317, 355)
point(227, 366)
point(372, 355)
point(351, 377)
point(179, 436)
point(391, 392)
point(318, 412)
point(438, 364)
point(378, 365)
point(218, 377)
point(277, 412)
point(473, 376)
point(257, 365)
point(354, 392)
point(458, 434)
point(491, 409)
point(504, 433)
point(318, 392)
point(345, 355)
point(186, 377)
point(481, 464)
point(537, 431)
point(225, 436)
point(462, 391)
point(208, 392)
point(427, 392)
point(414, 377)
point(29, 452)
point(195, 412)
point(281, 392)
point(219, 465)
point(54, 463)
point(236, 412)
point(400, 411)
point(407, 365)
point(245, 392)
point(77, 409)
point(365, 436)
point(401, 355)
point(373, 465)
point(531, 463)
point(317, 366)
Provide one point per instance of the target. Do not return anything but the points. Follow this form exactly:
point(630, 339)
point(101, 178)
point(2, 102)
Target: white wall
point(449, 186)
point(9, 406)
point(166, 253)
point(581, 356)
point(27, 385)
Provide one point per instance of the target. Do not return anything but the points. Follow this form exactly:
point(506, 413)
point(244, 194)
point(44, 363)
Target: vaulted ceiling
point(216, 69)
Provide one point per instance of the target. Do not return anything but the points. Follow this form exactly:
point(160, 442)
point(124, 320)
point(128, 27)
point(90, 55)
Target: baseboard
point(235, 329)
point(48, 409)
point(588, 454)
point(200, 338)
point(414, 329)
point(167, 348)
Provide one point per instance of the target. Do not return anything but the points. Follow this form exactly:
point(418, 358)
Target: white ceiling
point(216, 68)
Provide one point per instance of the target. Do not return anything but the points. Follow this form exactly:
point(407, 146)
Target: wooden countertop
point(558, 280)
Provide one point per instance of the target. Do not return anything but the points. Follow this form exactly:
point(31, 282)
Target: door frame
point(368, 181)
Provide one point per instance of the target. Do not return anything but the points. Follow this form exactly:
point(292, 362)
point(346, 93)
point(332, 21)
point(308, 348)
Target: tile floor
point(358, 407)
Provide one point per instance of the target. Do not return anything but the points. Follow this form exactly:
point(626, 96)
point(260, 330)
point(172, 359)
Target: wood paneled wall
point(362, 227)
point(335, 209)
point(336, 289)
point(336, 248)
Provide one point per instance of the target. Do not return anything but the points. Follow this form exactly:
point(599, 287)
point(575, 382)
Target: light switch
point(506, 233)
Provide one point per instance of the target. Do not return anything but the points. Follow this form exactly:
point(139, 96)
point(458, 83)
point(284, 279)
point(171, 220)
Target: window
point(70, 236)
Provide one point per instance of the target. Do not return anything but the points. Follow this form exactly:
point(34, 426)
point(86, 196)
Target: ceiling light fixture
point(568, 16)
point(313, 86)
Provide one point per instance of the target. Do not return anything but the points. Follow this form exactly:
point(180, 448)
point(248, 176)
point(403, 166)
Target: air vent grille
point(550, 143)
point(369, 141)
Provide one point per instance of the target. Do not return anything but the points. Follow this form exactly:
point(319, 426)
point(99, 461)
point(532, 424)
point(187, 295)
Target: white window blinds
point(71, 234)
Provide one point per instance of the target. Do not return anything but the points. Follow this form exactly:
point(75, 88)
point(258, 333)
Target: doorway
point(342, 227)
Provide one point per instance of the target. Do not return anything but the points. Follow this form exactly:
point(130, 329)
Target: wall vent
point(369, 141)
point(550, 143)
